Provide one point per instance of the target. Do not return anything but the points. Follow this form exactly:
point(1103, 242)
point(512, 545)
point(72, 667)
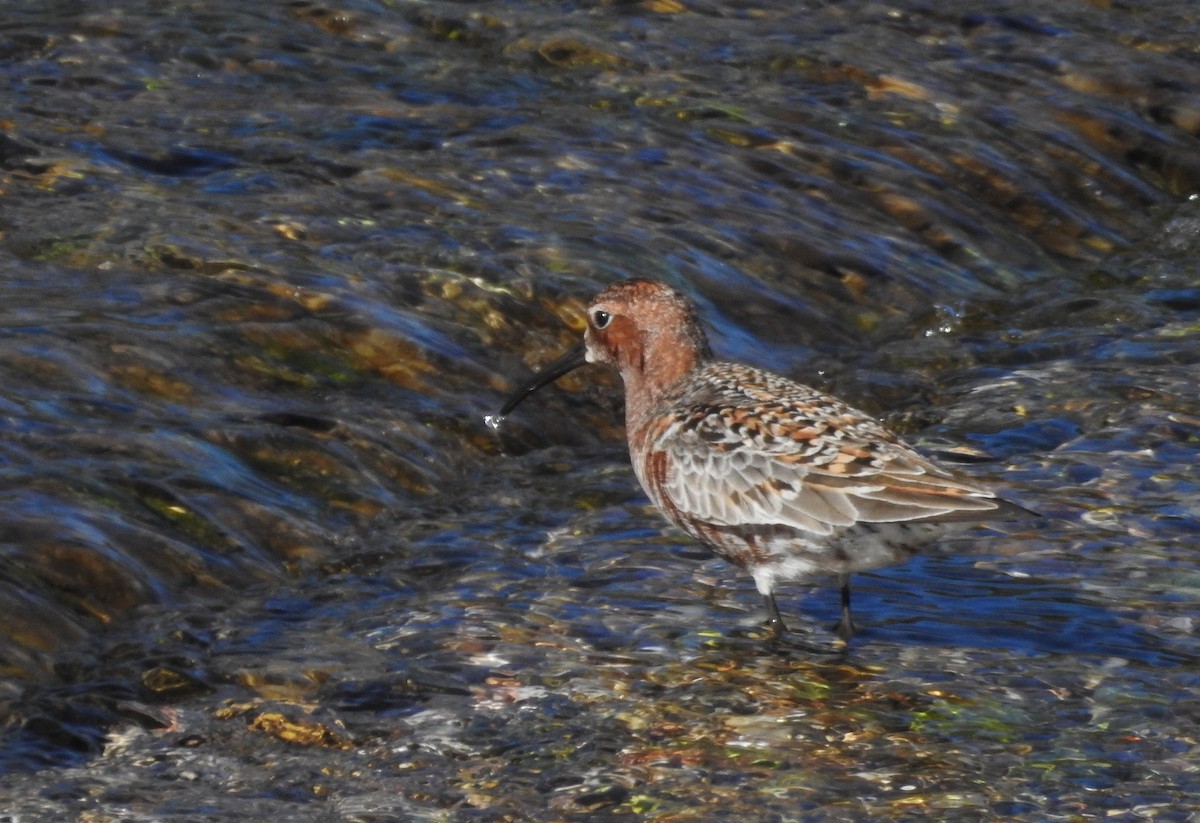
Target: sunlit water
point(267, 268)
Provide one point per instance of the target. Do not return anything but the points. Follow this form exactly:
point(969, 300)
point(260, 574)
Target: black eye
point(601, 318)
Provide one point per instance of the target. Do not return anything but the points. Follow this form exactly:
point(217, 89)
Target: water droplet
point(493, 421)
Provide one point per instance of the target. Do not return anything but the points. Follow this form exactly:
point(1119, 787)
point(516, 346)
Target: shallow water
point(266, 269)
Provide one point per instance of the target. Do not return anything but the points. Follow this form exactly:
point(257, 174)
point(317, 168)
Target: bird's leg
point(774, 624)
point(845, 625)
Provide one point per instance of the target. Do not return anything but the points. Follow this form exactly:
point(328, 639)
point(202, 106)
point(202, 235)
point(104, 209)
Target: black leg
point(774, 620)
point(845, 626)
point(782, 640)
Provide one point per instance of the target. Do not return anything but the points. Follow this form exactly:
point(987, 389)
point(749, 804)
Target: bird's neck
point(653, 383)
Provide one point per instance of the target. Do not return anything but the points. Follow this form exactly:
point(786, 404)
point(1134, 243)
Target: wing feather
point(808, 462)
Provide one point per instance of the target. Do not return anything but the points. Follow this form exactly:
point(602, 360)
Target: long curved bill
point(570, 361)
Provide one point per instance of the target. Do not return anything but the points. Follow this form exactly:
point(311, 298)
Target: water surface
point(264, 270)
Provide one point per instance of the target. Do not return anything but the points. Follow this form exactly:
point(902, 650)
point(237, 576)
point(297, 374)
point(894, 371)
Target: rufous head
point(643, 325)
point(649, 331)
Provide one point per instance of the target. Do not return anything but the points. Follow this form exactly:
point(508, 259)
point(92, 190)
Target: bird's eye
point(601, 318)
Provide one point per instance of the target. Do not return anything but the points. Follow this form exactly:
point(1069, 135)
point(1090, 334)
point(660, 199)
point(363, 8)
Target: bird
point(774, 476)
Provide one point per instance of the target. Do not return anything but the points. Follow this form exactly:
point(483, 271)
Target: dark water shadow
point(959, 604)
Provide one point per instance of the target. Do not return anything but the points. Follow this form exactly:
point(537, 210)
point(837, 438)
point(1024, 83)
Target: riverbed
point(265, 269)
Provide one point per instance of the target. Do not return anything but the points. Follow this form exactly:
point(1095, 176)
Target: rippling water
point(265, 268)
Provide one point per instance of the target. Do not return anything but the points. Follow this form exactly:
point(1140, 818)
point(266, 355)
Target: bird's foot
point(779, 638)
point(844, 629)
point(774, 628)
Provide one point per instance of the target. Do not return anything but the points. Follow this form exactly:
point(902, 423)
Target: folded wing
point(804, 464)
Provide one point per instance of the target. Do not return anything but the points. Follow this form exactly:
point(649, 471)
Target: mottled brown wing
point(799, 467)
